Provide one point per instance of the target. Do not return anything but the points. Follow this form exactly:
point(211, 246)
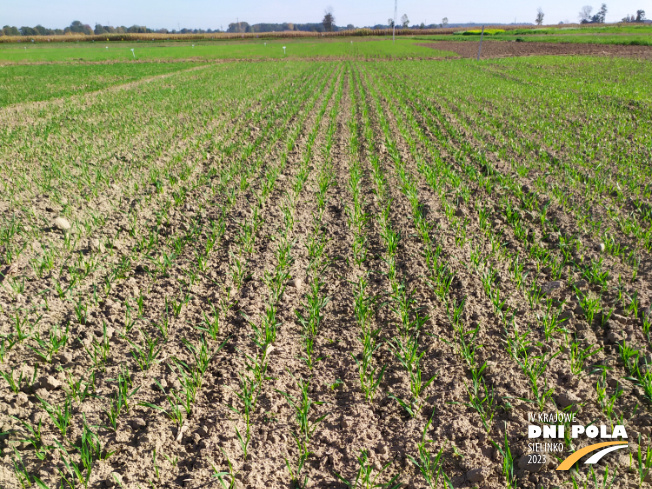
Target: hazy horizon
point(203, 14)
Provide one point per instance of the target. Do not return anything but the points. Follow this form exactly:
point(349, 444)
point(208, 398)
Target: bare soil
point(149, 448)
point(505, 49)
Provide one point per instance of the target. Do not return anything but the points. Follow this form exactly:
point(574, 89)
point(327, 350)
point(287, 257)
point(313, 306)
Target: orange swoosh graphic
point(570, 461)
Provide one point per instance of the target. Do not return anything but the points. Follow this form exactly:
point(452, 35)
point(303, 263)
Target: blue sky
point(216, 13)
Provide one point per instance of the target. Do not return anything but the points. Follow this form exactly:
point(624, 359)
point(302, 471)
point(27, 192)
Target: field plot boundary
point(505, 49)
point(324, 59)
point(58, 101)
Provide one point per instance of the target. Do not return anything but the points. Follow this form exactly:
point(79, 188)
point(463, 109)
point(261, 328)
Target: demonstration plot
point(350, 48)
point(28, 83)
point(502, 49)
point(265, 273)
point(621, 34)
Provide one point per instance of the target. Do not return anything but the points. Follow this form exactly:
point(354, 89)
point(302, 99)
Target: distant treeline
point(78, 28)
point(190, 36)
point(245, 27)
point(238, 31)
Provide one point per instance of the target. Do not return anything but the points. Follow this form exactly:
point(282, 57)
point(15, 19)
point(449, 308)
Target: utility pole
point(480, 46)
point(394, 30)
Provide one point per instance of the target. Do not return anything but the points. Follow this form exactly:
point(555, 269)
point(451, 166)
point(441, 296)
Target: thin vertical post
point(394, 26)
point(480, 46)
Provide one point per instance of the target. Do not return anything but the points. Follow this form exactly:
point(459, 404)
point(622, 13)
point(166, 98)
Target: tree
point(390, 22)
point(329, 20)
point(27, 31)
point(587, 18)
point(239, 27)
point(76, 27)
point(42, 31)
point(585, 14)
point(540, 14)
point(11, 30)
point(405, 22)
point(600, 17)
point(640, 17)
point(444, 22)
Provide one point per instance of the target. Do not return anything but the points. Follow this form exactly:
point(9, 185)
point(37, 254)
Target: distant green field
point(619, 79)
point(487, 32)
point(622, 39)
point(635, 40)
point(607, 29)
point(627, 35)
point(45, 71)
point(152, 51)
point(27, 83)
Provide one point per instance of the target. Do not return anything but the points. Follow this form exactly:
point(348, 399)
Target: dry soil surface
point(503, 49)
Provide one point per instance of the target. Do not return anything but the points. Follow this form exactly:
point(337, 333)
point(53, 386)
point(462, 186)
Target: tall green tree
point(328, 20)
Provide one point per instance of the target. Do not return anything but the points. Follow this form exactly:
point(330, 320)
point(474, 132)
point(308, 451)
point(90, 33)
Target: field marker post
point(480, 46)
point(394, 23)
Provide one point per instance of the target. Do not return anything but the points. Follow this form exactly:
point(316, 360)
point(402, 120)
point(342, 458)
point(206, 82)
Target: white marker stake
point(132, 52)
point(283, 49)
